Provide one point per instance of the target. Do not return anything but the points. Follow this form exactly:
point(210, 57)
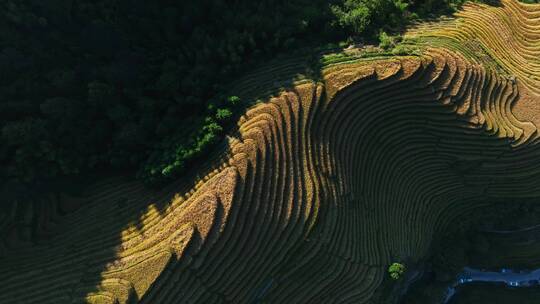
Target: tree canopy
point(143, 85)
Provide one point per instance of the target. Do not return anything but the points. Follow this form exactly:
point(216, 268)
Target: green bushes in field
point(396, 270)
point(172, 157)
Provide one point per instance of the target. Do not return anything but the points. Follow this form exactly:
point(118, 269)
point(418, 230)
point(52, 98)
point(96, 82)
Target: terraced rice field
point(322, 185)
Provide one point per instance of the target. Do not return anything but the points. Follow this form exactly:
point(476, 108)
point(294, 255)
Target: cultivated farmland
point(322, 184)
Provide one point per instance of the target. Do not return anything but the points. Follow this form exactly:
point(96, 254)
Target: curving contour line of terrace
point(322, 186)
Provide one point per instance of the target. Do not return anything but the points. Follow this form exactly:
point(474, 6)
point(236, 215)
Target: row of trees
point(132, 84)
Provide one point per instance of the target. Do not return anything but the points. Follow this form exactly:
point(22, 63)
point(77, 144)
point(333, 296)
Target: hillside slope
point(322, 186)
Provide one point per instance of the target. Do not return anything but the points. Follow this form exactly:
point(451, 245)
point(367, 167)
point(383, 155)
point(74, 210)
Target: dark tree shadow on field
point(118, 210)
point(111, 209)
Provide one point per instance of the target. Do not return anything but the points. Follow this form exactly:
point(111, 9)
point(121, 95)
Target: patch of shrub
point(396, 270)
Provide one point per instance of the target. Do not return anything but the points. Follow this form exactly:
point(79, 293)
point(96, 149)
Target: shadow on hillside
point(305, 66)
point(496, 3)
point(110, 211)
point(121, 209)
point(114, 204)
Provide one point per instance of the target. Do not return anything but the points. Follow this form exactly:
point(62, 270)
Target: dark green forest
point(142, 86)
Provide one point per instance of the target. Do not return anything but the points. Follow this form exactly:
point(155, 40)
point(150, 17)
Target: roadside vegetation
point(142, 86)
